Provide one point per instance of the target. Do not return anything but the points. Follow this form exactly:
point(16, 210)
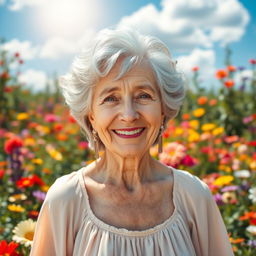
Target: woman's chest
point(125, 211)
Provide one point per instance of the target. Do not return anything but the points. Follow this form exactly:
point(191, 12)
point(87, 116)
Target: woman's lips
point(129, 132)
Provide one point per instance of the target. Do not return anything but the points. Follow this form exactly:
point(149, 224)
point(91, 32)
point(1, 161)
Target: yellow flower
point(29, 167)
point(24, 232)
point(54, 153)
point(194, 124)
point(29, 142)
point(199, 112)
point(178, 131)
point(193, 136)
point(223, 180)
point(22, 116)
point(154, 151)
point(218, 131)
point(253, 165)
point(38, 161)
point(15, 208)
point(43, 129)
point(16, 197)
point(208, 127)
point(45, 188)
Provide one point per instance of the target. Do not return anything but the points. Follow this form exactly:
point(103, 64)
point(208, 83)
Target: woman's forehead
point(139, 74)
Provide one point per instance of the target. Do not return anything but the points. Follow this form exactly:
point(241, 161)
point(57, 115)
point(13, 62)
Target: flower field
point(214, 137)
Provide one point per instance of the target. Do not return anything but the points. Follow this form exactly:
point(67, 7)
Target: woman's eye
point(144, 96)
point(110, 99)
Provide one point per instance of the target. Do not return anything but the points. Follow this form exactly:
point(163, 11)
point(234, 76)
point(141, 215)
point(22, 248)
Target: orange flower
point(231, 68)
point(229, 83)
point(194, 69)
point(212, 102)
point(185, 116)
point(221, 73)
point(202, 100)
point(236, 241)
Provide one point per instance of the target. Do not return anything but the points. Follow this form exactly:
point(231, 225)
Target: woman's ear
point(91, 119)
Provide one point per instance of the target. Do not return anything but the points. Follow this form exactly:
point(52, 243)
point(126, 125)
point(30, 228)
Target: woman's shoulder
point(64, 189)
point(191, 185)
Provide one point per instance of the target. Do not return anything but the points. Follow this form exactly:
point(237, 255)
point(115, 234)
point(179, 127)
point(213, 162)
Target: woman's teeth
point(129, 132)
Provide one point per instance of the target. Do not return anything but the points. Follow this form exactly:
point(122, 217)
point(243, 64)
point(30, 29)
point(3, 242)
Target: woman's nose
point(128, 112)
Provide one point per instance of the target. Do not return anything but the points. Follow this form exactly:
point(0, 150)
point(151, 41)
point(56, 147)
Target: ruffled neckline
point(123, 231)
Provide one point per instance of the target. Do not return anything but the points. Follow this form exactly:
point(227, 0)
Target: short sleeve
point(208, 231)
point(58, 219)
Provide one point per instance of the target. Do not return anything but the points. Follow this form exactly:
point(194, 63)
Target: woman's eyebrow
point(109, 90)
point(117, 88)
point(145, 87)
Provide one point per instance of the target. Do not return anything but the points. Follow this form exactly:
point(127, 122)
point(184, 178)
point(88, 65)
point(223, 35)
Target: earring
point(160, 139)
point(96, 143)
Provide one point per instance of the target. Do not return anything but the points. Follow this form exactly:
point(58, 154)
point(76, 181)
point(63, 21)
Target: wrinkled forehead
point(138, 72)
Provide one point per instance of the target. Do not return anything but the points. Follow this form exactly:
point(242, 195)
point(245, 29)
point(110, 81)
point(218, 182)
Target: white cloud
point(204, 59)
point(34, 79)
point(25, 48)
point(17, 5)
point(58, 47)
point(187, 24)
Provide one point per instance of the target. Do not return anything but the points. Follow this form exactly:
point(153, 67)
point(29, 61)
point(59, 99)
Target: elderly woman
point(122, 90)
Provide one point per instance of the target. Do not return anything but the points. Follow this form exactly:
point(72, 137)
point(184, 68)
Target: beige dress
point(67, 226)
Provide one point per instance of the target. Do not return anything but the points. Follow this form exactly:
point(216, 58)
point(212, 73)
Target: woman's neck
point(126, 172)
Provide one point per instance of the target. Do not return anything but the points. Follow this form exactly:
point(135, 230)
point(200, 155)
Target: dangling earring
point(160, 139)
point(96, 143)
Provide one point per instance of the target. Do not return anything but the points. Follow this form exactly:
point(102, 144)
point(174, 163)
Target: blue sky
point(48, 33)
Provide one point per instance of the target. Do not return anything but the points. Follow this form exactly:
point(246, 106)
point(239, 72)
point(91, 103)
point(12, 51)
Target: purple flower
point(229, 188)
point(39, 195)
point(252, 243)
point(218, 199)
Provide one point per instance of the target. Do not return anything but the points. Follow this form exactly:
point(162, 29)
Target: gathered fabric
point(68, 226)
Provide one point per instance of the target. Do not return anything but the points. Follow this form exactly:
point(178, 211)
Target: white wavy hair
point(98, 59)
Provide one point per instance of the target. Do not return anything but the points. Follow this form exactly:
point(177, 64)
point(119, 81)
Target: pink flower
point(51, 118)
point(173, 154)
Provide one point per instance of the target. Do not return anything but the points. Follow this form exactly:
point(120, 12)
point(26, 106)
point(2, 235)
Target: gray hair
point(98, 59)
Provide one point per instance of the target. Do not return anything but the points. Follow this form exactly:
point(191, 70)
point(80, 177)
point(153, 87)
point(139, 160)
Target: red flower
point(57, 127)
point(11, 144)
point(8, 249)
point(221, 73)
point(8, 89)
point(17, 54)
point(5, 75)
point(71, 119)
point(195, 69)
point(2, 173)
point(188, 161)
point(30, 181)
point(229, 83)
point(252, 143)
point(252, 61)
point(37, 180)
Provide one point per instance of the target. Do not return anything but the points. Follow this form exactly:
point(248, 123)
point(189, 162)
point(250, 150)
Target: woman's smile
point(129, 133)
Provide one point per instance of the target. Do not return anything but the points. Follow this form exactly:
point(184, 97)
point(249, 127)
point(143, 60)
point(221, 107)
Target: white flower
point(242, 174)
point(251, 229)
point(24, 232)
point(252, 195)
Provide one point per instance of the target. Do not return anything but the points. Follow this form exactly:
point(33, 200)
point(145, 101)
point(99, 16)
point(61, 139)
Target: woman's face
point(127, 113)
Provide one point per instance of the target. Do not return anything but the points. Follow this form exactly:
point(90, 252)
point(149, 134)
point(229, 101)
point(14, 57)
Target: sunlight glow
point(68, 17)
